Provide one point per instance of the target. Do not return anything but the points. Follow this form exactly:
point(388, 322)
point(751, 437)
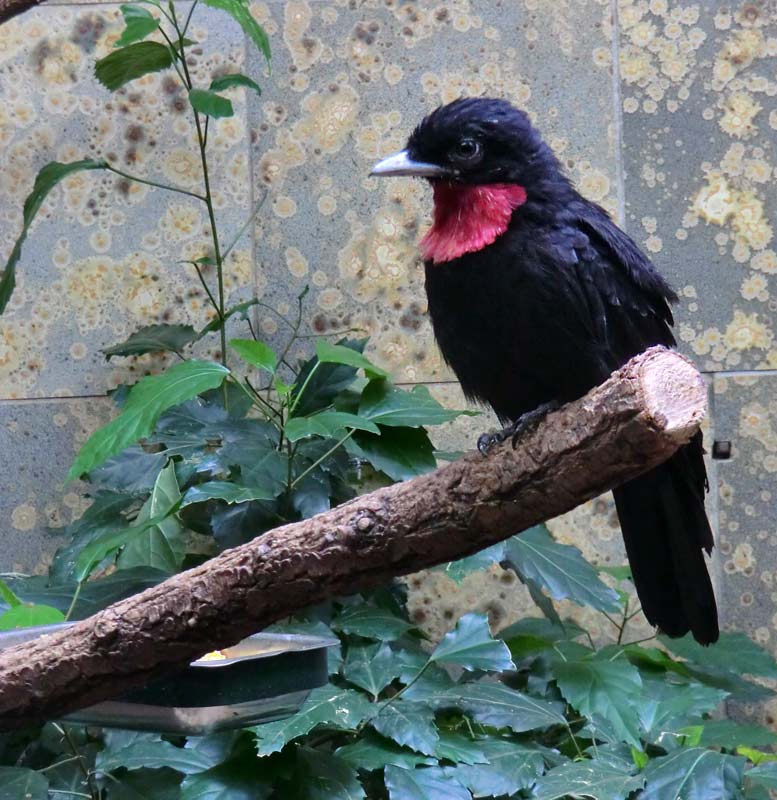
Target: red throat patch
point(468, 218)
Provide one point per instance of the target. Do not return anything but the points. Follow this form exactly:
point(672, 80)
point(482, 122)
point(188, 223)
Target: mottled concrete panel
point(350, 81)
point(102, 260)
point(38, 441)
point(746, 416)
point(699, 119)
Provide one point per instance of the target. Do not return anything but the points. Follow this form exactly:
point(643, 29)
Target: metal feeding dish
point(265, 677)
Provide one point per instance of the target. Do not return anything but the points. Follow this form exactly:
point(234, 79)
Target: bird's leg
point(513, 431)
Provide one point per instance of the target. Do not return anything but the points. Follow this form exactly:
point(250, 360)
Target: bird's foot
point(513, 431)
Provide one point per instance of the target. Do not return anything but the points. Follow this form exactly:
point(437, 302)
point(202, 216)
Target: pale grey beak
point(401, 164)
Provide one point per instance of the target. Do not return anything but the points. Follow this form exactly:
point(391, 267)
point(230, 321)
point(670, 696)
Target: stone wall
point(663, 112)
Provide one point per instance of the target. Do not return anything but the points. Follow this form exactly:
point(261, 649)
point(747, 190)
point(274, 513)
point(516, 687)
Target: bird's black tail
point(666, 530)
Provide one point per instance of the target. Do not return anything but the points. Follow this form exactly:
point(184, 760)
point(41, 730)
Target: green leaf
point(384, 403)
point(342, 709)
point(26, 616)
point(232, 80)
point(210, 103)
point(371, 623)
point(131, 62)
point(401, 453)
point(422, 784)
point(764, 775)
point(154, 339)
point(693, 774)
point(460, 749)
point(7, 595)
point(588, 779)
point(458, 570)
point(409, 724)
point(140, 784)
point(668, 706)
point(239, 10)
point(230, 493)
point(470, 645)
point(162, 545)
point(733, 652)
point(326, 424)
point(561, 569)
point(147, 400)
point(372, 751)
point(19, 783)
point(531, 636)
point(328, 353)
point(45, 181)
point(139, 23)
point(257, 354)
point(325, 384)
point(511, 767)
point(149, 751)
point(239, 308)
point(610, 689)
point(493, 704)
point(729, 734)
point(227, 781)
point(321, 776)
point(371, 667)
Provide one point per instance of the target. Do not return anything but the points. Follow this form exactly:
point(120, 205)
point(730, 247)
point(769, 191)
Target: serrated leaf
point(327, 424)
point(409, 724)
point(423, 783)
point(230, 493)
point(322, 776)
point(764, 775)
point(511, 767)
point(733, 652)
point(729, 734)
point(133, 471)
point(470, 645)
point(610, 689)
point(531, 636)
point(146, 401)
point(372, 751)
point(693, 774)
point(153, 339)
point(401, 453)
point(225, 782)
point(371, 667)
point(328, 353)
point(211, 104)
point(26, 616)
point(459, 748)
point(239, 308)
point(161, 546)
point(257, 354)
point(592, 780)
point(371, 623)
point(150, 751)
point(561, 569)
point(20, 783)
point(383, 403)
point(668, 706)
point(342, 709)
point(458, 570)
point(46, 179)
point(492, 704)
point(325, 384)
point(139, 23)
point(240, 11)
point(232, 80)
point(131, 62)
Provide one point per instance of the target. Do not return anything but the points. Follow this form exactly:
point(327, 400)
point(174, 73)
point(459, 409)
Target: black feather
point(561, 299)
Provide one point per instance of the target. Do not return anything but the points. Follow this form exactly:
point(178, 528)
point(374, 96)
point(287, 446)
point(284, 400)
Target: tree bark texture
point(632, 422)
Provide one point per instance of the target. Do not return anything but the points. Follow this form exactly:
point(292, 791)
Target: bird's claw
point(513, 431)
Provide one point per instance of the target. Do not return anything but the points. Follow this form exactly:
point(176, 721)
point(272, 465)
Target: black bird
point(535, 297)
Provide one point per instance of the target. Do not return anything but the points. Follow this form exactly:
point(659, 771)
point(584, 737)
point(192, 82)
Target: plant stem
point(251, 218)
point(156, 184)
point(207, 289)
point(304, 386)
point(188, 19)
point(323, 458)
point(74, 600)
point(253, 399)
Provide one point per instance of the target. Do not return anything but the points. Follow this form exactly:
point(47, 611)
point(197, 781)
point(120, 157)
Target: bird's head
point(484, 158)
point(473, 141)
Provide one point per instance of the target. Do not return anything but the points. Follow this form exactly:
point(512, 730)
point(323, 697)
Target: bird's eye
point(467, 150)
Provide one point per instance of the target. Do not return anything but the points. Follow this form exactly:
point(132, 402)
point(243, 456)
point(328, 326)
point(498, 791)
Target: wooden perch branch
point(631, 423)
